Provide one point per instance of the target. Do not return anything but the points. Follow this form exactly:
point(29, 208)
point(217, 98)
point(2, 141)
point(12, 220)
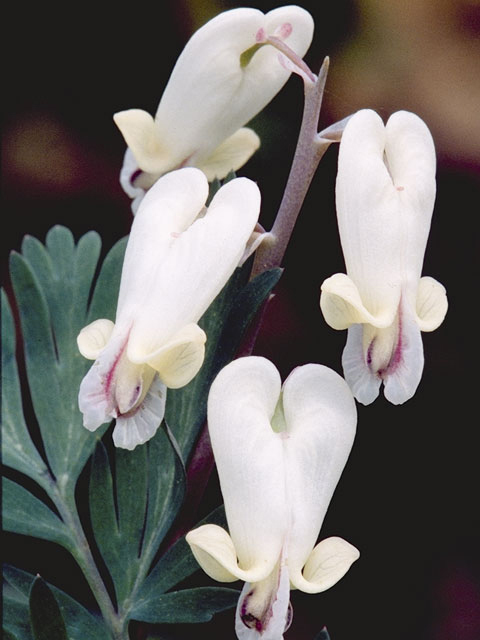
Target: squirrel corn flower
point(385, 194)
point(175, 265)
point(279, 452)
point(223, 78)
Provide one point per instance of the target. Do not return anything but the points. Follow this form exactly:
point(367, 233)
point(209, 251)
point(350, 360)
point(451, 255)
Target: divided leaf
point(45, 615)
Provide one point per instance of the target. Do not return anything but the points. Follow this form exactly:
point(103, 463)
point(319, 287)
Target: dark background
point(408, 498)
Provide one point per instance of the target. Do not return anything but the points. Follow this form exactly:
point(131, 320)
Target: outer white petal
point(342, 305)
point(431, 304)
point(250, 460)
point(231, 154)
point(365, 384)
point(196, 266)
point(168, 208)
point(209, 95)
point(327, 564)
point(141, 424)
point(320, 417)
point(93, 338)
point(410, 155)
point(369, 212)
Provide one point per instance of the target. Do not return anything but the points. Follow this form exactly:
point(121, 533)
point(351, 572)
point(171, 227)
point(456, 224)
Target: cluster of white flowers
point(279, 450)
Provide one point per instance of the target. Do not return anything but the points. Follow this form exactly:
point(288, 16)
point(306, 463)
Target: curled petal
point(128, 173)
point(342, 305)
point(231, 154)
point(142, 422)
point(215, 552)
point(93, 338)
point(431, 304)
point(327, 564)
point(143, 139)
point(179, 360)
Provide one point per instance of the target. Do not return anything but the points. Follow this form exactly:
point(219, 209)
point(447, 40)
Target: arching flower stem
point(310, 148)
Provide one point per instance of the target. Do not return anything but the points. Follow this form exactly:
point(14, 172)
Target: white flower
point(175, 265)
point(385, 195)
point(222, 79)
point(280, 452)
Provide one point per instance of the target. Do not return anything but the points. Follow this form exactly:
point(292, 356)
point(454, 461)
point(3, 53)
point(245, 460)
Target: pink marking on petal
point(400, 188)
point(111, 372)
point(261, 35)
point(283, 31)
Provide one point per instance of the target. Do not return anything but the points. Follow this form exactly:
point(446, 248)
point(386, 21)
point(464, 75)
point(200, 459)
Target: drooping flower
point(223, 78)
point(175, 264)
point(385, 195)
point(279, 452)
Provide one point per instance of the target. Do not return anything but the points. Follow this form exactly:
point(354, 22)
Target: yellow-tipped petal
point(327, 564)
point(231, 154)
point(432, 304)
point(142, 137)
point(342, 305)
point(215, 552)
point(180, 359)
point(93, 338)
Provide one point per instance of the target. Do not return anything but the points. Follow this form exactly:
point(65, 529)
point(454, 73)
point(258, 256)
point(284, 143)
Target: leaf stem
point(310, 149)
point(83, 555)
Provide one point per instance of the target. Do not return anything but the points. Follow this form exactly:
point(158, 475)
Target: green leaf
point(52, 287)
point(322, 635)
point(225, 323)
point(187, 606)
point(132, 512)
point(176, 564)
point(45, 615)
point(18, 450)
point(80, 623)
point(25, 514)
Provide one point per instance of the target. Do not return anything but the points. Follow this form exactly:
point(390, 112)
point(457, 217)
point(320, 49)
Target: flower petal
point(144, 139)
point(195, 267)
point(263, 609)
point(431, 304)
point(249, 455)
point(93, 338)
point(405, 372)
point(369, 212)
point(231, 154)
point(168, 208)
point(142, 422)
point(210, 95)
point(342, 305)
point(320, 417)
point(95, 398)
point(364, 384)
point(327, 564)
point(179, 360)
point(215, 552)
point(128, 172)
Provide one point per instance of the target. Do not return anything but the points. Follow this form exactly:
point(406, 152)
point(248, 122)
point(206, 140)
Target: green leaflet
point(132, 513)
point(79, 623)
point(188, 605)
point(45, 615)
point(24, 513)
point(52, 286)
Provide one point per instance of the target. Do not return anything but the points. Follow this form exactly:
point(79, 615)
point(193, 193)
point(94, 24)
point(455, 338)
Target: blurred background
point(408, 498)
